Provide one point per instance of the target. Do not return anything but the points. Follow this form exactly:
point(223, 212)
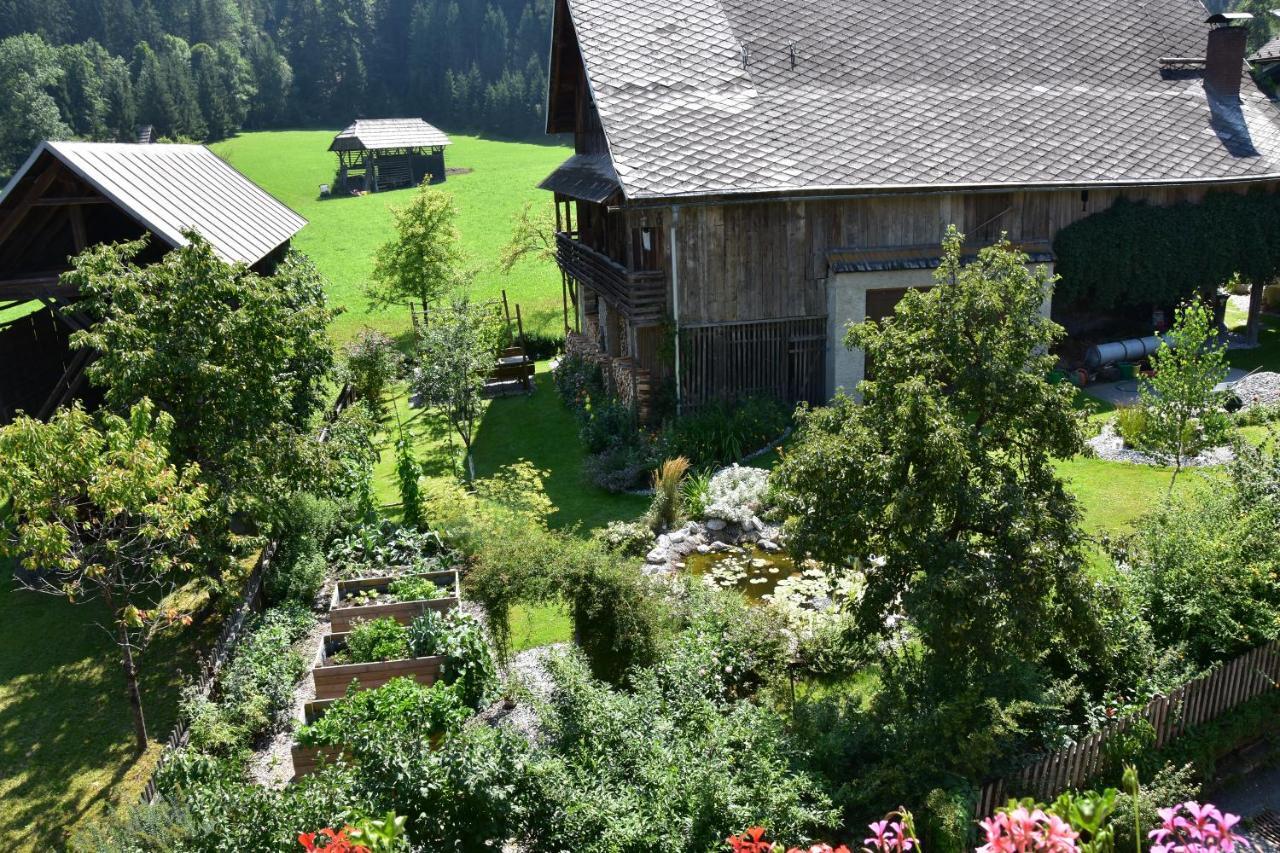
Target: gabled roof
point(379, 133)
point(171, 188)
point(710, 97)
point(1268, 53)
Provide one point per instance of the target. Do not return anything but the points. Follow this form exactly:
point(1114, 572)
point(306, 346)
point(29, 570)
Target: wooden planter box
point(331, 680)
point(307, 759)
point(343, 618)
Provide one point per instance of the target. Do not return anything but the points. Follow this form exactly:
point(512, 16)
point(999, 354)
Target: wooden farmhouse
point(388, 154)
point(71, 195)
point(751, 176)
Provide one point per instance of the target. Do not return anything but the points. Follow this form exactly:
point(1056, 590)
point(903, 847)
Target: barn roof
point(171, 188)
point(710, 97)
point(379, 133)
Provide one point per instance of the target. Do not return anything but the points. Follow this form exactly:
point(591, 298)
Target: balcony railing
point(640, 296)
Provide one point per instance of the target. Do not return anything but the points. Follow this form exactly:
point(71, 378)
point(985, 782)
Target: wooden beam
point(70, 200)
point(37, 188)
point(34, 287)
point(70, 382)
point(79, 236)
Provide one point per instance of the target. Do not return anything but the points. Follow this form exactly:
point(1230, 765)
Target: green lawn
point(66, 734)
point(344, 233)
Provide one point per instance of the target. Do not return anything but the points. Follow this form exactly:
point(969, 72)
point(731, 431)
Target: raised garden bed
point(332, 679)
point(306, 759)
point(343, 613)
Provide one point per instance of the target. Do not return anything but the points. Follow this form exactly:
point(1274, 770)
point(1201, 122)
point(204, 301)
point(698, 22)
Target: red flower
point(335, 842)
point(752, 841)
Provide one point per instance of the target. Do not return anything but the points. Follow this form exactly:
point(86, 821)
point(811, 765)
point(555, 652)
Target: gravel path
point(528, 672)
point(1110, 446)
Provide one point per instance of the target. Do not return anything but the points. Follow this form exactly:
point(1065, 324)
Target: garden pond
point(775, 578)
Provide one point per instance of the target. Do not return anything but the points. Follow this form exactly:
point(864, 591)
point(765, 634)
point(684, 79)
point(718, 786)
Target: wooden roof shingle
point(381, 133)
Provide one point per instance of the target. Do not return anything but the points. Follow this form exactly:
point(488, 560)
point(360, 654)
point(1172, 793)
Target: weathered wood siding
point(767, 260)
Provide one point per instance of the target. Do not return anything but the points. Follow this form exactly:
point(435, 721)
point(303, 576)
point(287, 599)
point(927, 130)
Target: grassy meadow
point(344, 233)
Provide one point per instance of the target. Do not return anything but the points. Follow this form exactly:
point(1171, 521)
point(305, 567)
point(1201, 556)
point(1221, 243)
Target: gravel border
point(1110, 446)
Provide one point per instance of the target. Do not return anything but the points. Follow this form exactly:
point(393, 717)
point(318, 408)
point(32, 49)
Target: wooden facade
point(741, 286)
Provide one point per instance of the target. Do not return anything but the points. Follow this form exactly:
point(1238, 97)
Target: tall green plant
point(1180, 400)
point(408, 472)
point(424, 260)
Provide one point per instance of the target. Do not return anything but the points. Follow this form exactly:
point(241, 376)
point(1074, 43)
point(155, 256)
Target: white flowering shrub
point(735, 494)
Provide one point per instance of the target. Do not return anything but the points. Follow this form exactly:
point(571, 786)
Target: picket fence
point(250, 602)
point(1195, 702)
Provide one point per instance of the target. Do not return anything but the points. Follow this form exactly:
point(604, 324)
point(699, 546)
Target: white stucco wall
point(847, 303)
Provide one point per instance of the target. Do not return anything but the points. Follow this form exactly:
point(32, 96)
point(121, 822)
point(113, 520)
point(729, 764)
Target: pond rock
point(769, 545)
point(657, 555)
point(716, 524)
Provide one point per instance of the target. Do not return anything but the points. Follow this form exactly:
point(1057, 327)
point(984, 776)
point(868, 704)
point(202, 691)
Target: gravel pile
point(1110, 446)
point(528, 670)
point(1258, 389)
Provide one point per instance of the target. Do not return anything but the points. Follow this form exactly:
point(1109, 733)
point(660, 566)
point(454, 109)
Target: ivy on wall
point(1136, 254)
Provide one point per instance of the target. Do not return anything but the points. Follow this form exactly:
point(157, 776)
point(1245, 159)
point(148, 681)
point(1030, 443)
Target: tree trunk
point(135, 695)
point(1255, 313)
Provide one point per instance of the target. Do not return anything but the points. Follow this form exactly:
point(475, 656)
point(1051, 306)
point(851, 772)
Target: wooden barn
point(71, 195)
point(387, 154)
point(751, 176)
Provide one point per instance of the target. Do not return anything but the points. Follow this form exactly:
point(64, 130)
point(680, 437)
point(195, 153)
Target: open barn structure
point(388, 154)
point(69, 196)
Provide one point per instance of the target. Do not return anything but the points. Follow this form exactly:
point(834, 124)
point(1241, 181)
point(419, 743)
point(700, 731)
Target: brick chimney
point(1224, 58)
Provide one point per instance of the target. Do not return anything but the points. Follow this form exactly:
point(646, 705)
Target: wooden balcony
point(641, 297)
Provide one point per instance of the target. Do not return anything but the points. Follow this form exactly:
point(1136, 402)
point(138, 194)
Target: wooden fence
point(783, 358)
point(1195, 702)
point(251, 601)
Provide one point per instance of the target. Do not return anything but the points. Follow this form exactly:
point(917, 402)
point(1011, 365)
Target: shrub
point(694, 493)
point(578, 382)
point(621, 468)
point(401, 702)
point(619, 618)
point(608, 424)
point(255, 693)
point(377, 640)
point(468, 664)
point(665, 767)
point(371, 364)
point(1132, 423)
point(297, 571)
point(628, 538)
point(736, 494)
point(667, 508)
point(1258, 415)
point(408, 472)
point(1205, 565)
point(724, 431)
point(948, 814)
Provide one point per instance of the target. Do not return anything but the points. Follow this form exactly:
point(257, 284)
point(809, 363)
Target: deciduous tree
point(942, 481)
point(101, 512)
point(424, 261)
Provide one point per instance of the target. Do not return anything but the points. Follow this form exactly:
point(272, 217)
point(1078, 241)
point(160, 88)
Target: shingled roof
point(172, 188)
point(376, 134)
point(710, 97)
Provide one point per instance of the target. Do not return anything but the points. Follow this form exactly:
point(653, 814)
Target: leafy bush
point(628, 538)
point(665, 767)
point(541, 347)
point(370, 365)
point(947, 817)
point(620, 468)
point(619, 618)
point(694, 493)
point(724, 431)
point(255, 693)
point(736, 494)
point(386, 548)
point(297, 571)
point(1132, 423)
point(377, 640)
point(608, 424)
point(578, 381)
point(1258, 415)
point(1206, 565)
point(401, 702)
point(468, 664)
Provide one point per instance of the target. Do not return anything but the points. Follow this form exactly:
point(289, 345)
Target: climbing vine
point(1135, 253)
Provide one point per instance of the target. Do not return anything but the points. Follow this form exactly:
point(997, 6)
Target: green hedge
point(1137, 254)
